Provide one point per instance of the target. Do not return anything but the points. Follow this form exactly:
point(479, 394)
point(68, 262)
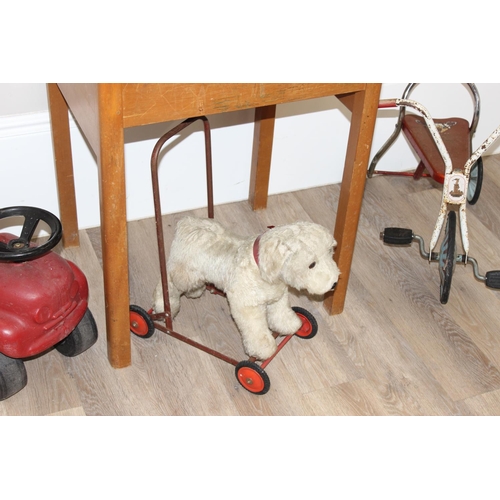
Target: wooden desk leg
point(61, 142)
point(114, 224)
point(261, 156)
point(364, 107)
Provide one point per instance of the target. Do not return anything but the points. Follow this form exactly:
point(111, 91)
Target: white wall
point(309, 149)
point(19, 98)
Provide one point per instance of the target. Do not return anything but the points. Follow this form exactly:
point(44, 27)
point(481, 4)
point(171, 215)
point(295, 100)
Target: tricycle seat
point(455, 133)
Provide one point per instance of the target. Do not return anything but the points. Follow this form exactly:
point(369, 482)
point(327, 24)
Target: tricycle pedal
point(397, 236)
point(493, 279)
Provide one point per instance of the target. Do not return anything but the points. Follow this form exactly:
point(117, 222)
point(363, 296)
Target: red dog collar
point(256, 247)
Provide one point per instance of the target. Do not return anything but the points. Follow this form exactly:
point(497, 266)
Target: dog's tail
point(192, 229)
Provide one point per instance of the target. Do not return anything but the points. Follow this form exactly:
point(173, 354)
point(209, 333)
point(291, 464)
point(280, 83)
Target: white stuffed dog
point(254, 273)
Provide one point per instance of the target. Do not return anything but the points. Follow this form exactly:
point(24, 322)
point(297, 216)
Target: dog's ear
point(272, 255)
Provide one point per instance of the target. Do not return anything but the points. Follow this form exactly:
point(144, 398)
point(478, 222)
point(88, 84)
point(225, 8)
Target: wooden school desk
point(104, 110)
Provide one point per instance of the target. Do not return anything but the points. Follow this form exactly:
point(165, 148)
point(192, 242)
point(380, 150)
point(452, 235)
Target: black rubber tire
point(13, 376)
point(313, 324)
point(81, 338)
point(447, 257)
point(252, 377)
point(475, 182)
point(146, 329)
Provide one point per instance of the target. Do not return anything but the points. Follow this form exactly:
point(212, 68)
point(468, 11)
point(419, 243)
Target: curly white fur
point(297, 255)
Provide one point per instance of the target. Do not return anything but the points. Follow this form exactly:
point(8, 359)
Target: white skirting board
point(309, 149)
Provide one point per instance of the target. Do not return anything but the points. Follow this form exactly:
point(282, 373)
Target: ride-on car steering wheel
point(19, 249)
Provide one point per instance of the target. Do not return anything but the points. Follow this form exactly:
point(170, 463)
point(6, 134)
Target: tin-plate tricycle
point(457, 191)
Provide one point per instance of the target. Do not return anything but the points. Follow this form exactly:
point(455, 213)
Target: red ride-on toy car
point(43, 299)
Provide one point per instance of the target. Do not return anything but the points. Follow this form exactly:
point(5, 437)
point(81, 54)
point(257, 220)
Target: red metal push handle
point(387, 103)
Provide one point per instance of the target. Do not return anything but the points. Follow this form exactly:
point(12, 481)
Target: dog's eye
point(312, 265)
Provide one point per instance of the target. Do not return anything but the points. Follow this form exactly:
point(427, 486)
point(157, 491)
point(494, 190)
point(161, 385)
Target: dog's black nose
point(333, 286)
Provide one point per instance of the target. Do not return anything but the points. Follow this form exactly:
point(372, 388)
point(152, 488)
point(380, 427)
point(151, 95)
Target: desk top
point(150, 103)
point(147, 103)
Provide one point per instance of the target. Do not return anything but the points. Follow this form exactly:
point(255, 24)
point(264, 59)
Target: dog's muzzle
point(333, 286)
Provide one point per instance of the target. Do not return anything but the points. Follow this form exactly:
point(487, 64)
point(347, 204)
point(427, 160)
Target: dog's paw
point(195, 293)
point(158, 305)
point(262, 348)
point(285, 324)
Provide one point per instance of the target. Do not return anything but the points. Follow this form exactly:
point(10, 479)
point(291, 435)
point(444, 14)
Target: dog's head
point(299, 255)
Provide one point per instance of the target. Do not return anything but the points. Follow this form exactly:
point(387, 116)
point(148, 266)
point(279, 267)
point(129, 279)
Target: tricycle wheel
point(309, 326)
point(13, 376)
point(252, 377)
point(475, 182)
point(447, 257)
point(81, 338)
point(141, 323)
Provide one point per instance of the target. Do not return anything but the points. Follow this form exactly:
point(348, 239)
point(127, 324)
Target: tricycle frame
point(454, 199)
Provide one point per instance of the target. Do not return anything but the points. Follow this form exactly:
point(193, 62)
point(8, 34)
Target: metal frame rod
point(157, 201)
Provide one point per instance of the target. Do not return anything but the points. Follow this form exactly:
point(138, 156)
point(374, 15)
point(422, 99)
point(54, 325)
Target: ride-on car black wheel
point(13, 376)
point(475, 181)
point(252, 377)
point(141, 323)
point(447, 257)
point(309, 326)
point(81, 338)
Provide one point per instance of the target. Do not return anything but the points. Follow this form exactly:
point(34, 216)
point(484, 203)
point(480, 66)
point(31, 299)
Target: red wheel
point(141, 323)
point(252, 377)
point(309, 326)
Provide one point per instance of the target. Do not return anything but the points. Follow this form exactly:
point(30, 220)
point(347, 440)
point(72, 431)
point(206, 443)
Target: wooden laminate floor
point(395, 350)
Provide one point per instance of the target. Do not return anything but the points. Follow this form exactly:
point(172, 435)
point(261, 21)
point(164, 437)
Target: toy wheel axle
point(141, 323)
point(252, 377)
point(309, 326)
